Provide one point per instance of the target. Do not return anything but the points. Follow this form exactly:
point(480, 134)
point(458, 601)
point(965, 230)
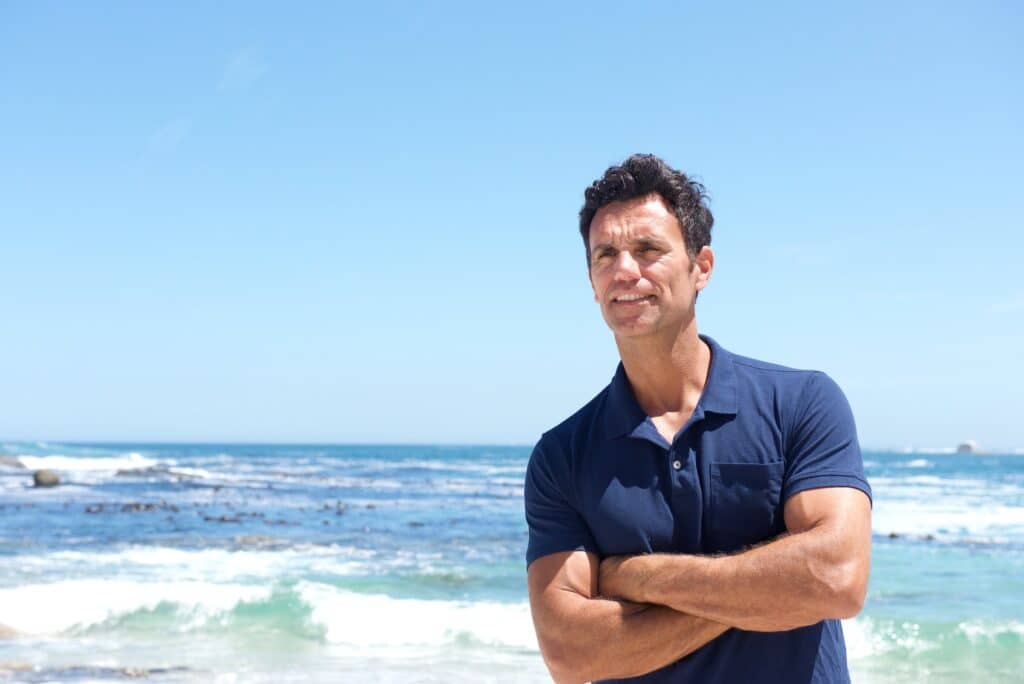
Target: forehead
point(634, 218)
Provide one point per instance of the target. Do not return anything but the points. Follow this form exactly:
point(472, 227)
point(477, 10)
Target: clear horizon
point(916, 449)
point(358, 225)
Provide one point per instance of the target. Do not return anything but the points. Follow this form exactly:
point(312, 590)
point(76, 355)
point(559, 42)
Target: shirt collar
point(622, 414)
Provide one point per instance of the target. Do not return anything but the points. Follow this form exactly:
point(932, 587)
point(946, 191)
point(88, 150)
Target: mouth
point(632, 299)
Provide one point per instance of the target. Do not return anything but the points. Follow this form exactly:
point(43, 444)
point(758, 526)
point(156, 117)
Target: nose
point(626, 267)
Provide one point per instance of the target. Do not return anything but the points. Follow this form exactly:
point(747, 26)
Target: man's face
point(642, 277)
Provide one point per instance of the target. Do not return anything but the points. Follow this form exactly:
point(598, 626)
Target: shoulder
point(572, 434)
point(789, 394)
point(791, 383)
point(757, 370)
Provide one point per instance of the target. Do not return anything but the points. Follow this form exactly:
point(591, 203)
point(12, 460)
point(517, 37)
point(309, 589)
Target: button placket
point(677, 464)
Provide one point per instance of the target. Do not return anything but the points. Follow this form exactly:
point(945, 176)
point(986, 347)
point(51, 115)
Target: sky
point(345, 223)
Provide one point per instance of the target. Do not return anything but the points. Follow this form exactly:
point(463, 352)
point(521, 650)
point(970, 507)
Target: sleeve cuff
point(822, 480)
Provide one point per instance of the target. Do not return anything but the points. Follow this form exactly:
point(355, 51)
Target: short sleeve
point(822, 443)
point(554, 523)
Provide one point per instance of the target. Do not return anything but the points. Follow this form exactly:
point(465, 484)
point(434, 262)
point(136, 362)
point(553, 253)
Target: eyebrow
point(638, 241)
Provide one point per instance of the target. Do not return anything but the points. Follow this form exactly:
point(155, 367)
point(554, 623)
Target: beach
point(283, 563)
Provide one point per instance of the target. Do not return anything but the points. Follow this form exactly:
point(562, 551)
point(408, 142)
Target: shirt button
point(677, 464)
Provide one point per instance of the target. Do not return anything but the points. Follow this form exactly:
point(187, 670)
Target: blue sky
point(331, 223)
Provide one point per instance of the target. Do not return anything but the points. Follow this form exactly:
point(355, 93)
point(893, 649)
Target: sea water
point(245, 563)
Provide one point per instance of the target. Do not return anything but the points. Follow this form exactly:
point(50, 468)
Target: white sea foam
point(860, 642)
point(978, 631)
point(866, 638)
point(403, 464)
point(158, 564)
point(919, 463)
point(946, 518)
point(56, 607)
point(78, 464)
point(369, 621)
point(191, 472)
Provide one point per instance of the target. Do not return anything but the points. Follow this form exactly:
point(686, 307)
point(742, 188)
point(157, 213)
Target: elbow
point(565, 666)
point(850, 601)
point(566, 676)
point(847, 592)
point(566, 662)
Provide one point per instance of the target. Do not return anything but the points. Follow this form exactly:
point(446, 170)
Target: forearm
point(583, 639)
point(793, 581)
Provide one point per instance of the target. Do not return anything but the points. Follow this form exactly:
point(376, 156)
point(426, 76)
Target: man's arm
point(584, 637)
point(817, 571)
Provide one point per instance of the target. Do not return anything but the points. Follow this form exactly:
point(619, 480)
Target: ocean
point(244, 563)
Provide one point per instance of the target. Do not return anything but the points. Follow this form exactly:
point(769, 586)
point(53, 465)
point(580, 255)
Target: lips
point(632, 298)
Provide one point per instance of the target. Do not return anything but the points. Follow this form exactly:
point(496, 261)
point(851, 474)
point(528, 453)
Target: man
point(705, 518)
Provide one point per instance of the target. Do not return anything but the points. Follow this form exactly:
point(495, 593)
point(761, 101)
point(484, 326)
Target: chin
point(637, 329)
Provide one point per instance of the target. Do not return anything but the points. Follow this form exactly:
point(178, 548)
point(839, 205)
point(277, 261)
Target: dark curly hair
point(645, 174)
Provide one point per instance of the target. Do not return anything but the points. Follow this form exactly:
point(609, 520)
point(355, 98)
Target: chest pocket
point(745, 504)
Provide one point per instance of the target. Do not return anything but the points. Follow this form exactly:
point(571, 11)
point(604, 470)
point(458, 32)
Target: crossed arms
point(629, 615)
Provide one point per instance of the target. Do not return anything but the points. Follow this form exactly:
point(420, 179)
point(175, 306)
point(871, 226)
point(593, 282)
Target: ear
point(704, 264)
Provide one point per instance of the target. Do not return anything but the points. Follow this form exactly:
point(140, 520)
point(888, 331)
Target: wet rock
point(929, 537)
point(45, 478)
point(76, 673)
point(11, 461)
point(371, 506)
point(255, 540)
point(141, 472)
point(222, 518)
point(137, 506)
point(132, 507)
point(415, 523)
point(894, 535)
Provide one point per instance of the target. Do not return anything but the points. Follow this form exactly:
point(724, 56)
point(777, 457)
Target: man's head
point(646, 174)
point(647, 230)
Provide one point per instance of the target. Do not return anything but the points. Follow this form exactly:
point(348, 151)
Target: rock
point(221, 518)
point(254, 540)
point(11, 461)
point(45, 478)
point(7, 632)
point(968, 447)
point(894, 535)
point(137, 506)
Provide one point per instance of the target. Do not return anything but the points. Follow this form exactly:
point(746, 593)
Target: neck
point(667, 374)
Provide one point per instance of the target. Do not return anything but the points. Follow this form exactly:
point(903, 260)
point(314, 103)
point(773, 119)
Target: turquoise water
point(242, 563)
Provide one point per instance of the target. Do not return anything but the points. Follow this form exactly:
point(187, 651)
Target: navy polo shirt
point(606, 481)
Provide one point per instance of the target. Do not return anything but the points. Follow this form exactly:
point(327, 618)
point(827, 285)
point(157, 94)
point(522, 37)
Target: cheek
point(598, 284)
